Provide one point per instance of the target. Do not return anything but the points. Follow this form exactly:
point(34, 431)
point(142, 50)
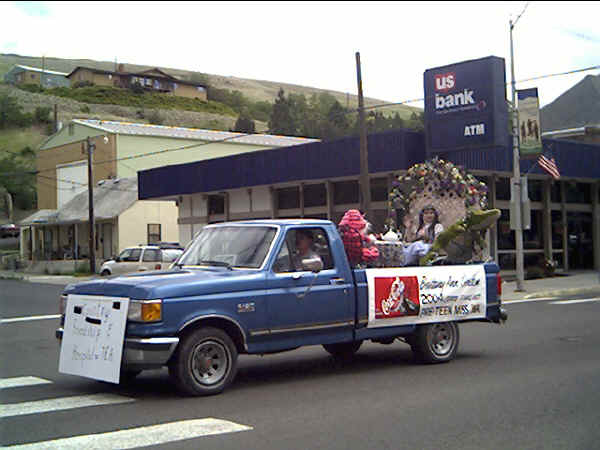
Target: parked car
point(141, 258)
point(9, 230)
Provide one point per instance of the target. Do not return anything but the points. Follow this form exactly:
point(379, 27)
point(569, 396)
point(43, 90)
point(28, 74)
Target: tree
point(282, 121)
point(244, 124)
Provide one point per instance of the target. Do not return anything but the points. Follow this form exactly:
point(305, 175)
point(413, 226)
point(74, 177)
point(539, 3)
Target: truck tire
point(435, 342)
point(343, 350)
point(205, 362)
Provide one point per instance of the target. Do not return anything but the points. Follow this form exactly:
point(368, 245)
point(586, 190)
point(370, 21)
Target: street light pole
point(365, 186)
point(516, 172)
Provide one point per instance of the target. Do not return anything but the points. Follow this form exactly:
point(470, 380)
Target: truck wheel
point(435, 342)
point(104, 273)
point(343, 350)
point(205, 362)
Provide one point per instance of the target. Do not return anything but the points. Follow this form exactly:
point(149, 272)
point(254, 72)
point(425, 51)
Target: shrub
point(42, 114)
point(156, 118)
point(85, 109)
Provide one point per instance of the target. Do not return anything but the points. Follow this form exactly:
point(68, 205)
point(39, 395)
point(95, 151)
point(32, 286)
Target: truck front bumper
point(144, 353)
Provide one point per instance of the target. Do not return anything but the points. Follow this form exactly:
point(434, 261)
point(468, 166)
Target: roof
point(111, 199)
point(388, 151)
point(143, 73)
point(38, 217)
point(37, 69)
point(142, 129)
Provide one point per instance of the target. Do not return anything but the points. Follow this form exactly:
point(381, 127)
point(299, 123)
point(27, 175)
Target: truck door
point(301, 302)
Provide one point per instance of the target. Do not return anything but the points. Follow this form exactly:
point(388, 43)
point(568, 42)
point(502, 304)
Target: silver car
point(138, 259)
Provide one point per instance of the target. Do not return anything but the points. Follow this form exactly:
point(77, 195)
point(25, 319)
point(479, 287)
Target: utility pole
point(365, 187)
point(516, 171)
point(90, 150)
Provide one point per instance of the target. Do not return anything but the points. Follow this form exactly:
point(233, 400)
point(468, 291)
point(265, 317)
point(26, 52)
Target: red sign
point(396, 297)
point(445, 81)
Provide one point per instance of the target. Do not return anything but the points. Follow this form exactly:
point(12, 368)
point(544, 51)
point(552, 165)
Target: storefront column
point(596, 224)
point(493, 231)
point(565, 232)
point(547, 219)
point(301, 195)
point(329, 186)
point(273, 195)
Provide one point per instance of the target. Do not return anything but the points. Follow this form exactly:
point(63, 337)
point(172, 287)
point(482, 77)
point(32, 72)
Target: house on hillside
point(122, 149)
point(121, 221)
point(20, 74)
point(153, 80)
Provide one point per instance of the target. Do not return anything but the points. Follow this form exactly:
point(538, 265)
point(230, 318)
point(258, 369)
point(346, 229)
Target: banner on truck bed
point(92, 342)
point(413, 295)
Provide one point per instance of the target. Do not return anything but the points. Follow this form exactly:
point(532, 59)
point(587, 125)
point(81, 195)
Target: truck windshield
point(231, 246)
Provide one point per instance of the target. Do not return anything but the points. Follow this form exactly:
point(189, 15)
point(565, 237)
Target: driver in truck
point(304, 249)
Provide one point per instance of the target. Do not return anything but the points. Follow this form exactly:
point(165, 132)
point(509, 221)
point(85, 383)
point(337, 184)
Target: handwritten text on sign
point(413, 295)
point(93, 335)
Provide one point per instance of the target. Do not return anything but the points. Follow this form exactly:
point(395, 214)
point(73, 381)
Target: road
point(533, 383)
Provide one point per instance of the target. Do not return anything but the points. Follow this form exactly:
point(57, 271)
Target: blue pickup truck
point(237, 289)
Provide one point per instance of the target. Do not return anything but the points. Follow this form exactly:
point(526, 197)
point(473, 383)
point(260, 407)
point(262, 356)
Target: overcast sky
point(314, 44)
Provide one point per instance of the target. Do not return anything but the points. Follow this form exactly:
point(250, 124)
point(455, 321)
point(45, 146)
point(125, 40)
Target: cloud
point(39, 9)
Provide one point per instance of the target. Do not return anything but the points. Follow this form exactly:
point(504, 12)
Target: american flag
point(549, 165)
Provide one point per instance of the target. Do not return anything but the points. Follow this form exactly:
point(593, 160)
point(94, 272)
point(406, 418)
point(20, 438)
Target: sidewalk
point(575, 283)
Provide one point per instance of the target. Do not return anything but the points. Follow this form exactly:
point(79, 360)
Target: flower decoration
point(439, 178)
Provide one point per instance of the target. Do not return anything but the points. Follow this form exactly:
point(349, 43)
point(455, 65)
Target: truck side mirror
point(313, 264)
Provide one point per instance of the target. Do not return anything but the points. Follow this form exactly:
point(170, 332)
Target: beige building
point(121, 150)
point(121, 220)
point(153, 80)
point(21, 75)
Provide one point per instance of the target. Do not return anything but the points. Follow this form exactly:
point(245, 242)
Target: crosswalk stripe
point(58, 404)
point(28, 318)
point(7, 383)
point(581, 300)
point(142, 436)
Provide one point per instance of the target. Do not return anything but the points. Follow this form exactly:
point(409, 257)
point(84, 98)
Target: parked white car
point(138, 259)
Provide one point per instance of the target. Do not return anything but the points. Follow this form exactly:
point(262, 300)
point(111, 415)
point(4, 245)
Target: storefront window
point(578, 192)
point(532, 238)
point(555, 195)
point(502, 189)
point(315, 195)
point(345, 192)
point(557, 230)
point(506, 236)
point(535, 189)
point(379, 189)
point(288, 198)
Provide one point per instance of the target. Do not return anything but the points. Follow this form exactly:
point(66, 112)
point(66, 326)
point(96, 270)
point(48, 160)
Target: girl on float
point(429, 228)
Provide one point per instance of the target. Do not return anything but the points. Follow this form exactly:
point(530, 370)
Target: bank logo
point(445, 81)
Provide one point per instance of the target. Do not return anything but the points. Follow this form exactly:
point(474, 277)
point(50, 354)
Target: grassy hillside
point(257, 90)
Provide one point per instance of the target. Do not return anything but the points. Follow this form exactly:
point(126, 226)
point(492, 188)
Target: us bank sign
point(465, 106)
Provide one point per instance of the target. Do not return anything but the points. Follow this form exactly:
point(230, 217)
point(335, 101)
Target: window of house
point(154, 233)
point(71, 129)
point(315, 195)
point(288, 198)
point(216, 204)
point(345, 192)
point(555, 193)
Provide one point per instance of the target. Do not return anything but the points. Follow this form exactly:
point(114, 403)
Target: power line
point(240, 135)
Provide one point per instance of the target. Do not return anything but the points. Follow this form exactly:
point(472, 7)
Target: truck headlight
point(145, 310)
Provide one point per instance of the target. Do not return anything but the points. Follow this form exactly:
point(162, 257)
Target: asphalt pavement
point(531, 383)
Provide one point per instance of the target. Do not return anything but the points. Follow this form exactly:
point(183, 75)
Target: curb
point(571, 291)
point(11, 276)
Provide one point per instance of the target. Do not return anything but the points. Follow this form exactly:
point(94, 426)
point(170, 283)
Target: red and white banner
point(413, 295)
